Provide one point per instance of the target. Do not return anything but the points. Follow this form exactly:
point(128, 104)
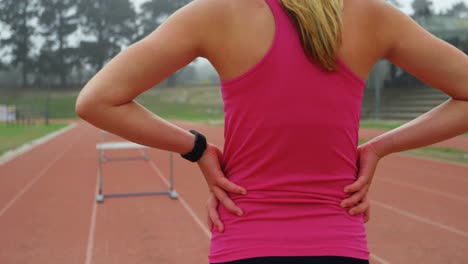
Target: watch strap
point(198, 149)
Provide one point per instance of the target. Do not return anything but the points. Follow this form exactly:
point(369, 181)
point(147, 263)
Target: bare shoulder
point(377, 10)
point(206, 13)
point(210, 8)
point(203, 20)
point(373, 9)
point(364, 40)
point(402, 41)
point(379, 24)
point(389, 26)
point(379, 20)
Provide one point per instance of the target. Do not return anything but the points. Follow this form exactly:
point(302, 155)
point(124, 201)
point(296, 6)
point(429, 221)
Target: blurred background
point(50, 48)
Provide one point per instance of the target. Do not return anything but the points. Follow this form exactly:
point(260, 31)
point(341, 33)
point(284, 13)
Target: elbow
point(80, 108)
point(83, 106)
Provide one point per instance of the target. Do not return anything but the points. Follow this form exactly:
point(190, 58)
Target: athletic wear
point(291, 137)
point(299, 260)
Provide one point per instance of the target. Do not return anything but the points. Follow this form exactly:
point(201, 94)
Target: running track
point(48, 212)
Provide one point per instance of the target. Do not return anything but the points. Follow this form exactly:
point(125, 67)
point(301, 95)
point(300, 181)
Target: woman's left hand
point(213, 218)
point(363, 207)
point(210, 165)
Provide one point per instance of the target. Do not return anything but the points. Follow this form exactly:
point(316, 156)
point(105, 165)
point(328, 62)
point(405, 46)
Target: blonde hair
point(320, 27)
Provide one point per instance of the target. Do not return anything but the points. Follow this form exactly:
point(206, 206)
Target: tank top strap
point(275, 6)
point(286, 38)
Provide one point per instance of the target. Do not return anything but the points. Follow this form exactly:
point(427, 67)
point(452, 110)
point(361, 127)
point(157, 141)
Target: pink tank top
point(291, 137)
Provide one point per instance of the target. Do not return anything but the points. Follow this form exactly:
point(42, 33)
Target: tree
point(422, 8)
point(58, 20)
point(18, 16)
point(459, 9)
point(109, 25)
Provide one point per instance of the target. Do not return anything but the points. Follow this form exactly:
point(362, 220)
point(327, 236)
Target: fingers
point(210, 165)
point(359, 184)
point(213, 216)
point(222, 196)
point(208, 221)
point(229, 186)
point(360, 208)
point(367, 211)
point(211, 168)
point(367, 160)
point(367, 214)
point(356, 197)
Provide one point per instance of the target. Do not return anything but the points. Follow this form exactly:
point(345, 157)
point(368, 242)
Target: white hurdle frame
point(102, 147)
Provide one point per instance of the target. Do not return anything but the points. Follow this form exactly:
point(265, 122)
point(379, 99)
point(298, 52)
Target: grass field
point(196, 104)
point(14, 136)
point(193, 104)
point(201, 104)
point(380, 125)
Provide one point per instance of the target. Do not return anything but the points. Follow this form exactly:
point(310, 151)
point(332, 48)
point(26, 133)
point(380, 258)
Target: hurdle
point(122, 145)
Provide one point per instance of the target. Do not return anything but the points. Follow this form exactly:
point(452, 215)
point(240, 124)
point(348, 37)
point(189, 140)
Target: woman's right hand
point(367, 161)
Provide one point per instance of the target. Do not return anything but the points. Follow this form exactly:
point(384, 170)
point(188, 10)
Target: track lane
point(48, 223)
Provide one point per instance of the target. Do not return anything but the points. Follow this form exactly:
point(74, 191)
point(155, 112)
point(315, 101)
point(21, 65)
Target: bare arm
point(107, 101)
point(438, 64)
point(434, 62)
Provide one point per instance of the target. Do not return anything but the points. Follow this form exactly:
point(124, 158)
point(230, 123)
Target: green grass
point(196, 104)
point(191, 104)
point(184, 103)
point(33, 103)
point(199, 104)
point(14, 136)
point(380, 124)
point(444, 154)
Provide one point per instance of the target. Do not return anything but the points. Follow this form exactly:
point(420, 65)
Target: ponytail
point(320, 28)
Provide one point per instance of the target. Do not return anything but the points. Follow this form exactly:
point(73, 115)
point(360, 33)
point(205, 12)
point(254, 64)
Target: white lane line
point(92, 228)
point(379, 259)
point(183, 202)
point(425, 189)
point(12, 154)
point(422, 219)
point(34, 180)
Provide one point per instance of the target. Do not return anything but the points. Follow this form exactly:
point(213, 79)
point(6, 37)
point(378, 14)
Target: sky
point(438, 4)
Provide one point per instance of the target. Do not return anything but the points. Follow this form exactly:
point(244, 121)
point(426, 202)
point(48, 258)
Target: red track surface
point(48, 212)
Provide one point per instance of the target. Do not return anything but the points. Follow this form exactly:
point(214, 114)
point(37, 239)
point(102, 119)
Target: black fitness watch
point(199, 147)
